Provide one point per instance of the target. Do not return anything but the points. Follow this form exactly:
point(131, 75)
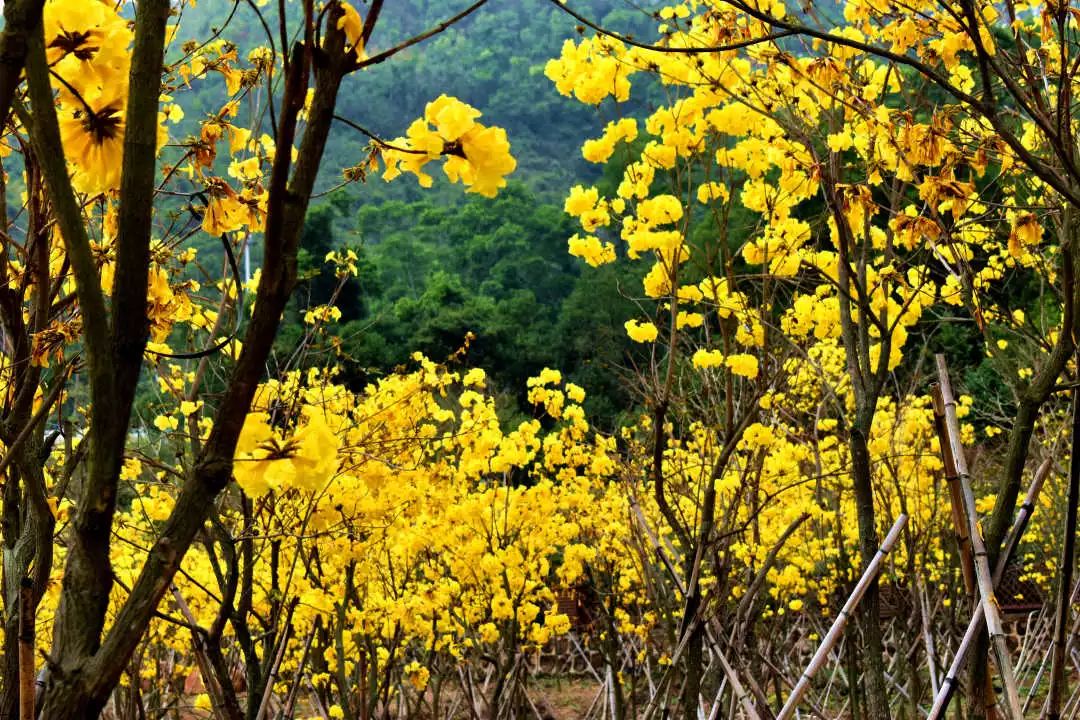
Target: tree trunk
point(877, 701)
point(9, 700)
point(694, 647)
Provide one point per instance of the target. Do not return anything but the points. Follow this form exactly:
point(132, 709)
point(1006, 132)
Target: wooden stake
point(960, 528)
point(271, 678)
point(837, 629)
point(928, 635)
point(737, 689)
point(202, 661)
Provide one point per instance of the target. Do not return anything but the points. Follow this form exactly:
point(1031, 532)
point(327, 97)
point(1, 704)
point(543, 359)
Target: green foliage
point(499, 269)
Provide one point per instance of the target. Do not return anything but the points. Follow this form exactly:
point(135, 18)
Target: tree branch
point(21, 19)
point(387, 54)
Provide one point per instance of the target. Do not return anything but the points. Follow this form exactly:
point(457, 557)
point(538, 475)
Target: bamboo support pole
point(26, 650)
point(271, 679)
point(975, 626)
point(952, 482)
point(294, 691)
point(202, 661)
point(960, 525)
point(841, 621)
point(927, 636)
point(983, 577)
point(1023, 515)
point(657, 547)
point(736, 688)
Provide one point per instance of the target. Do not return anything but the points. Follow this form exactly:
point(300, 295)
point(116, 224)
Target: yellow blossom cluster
point(477, 156)
point(87, 48)
point(754, 284)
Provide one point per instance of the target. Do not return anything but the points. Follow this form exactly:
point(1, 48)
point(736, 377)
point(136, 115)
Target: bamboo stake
point(294, 691)
point(1065, 571)
point(960, 525)
point(271, 678)
point(585, 657)
point(1036, 682)
point(202, 660)
point(313, 695)
point(928, 635)
point(1023, 515)
point(736, 688)
point(611, 690)
point(26, 649)
point(841, 621)
point(655, 542)
point(956, 503)
point(975, 626)
point(714, 712)
point(983, 578)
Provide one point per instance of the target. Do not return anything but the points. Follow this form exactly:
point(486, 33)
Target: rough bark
point(27, 523)
point(22, 19)
point(873, 659)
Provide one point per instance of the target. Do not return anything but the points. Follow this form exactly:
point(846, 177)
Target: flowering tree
point(891, 186)
point(99, 284)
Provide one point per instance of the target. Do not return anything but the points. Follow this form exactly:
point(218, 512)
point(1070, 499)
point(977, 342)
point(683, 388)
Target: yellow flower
point(165, 423)
point(487, 152)
point(225, 212)
point(316, 459)
point(451, 117)
point(689, 319)
point(591, 250)
point(711, 191)
point(641, 332)
point(353, 25)
point(707, 358)
point(1026, 233)
point(417, 675)
point(86, 46)
point(322, 314)
point(501, 608)
point(581, 200)
point(758, 435)
point(93, 137)
point(477, 156)
point(489, 633)
point(743, 364)
point(559, 623)
point(474, 378)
